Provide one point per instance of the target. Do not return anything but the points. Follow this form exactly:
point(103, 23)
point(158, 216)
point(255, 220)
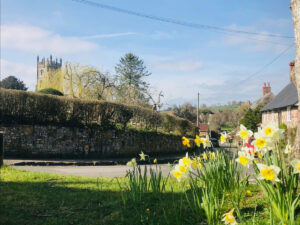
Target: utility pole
point(198, 110)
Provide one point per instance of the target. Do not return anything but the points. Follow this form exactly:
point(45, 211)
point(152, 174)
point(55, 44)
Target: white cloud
point(177, 66)
point(253, 43)
point(96, 36)
point(35, 39)
point(24, 72)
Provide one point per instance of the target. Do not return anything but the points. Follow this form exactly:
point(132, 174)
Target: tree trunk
point(295, 8)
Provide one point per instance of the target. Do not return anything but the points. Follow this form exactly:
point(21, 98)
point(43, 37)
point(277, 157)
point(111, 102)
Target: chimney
point(292, 71)
point(266, 89)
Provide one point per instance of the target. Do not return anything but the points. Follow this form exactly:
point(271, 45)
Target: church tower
point(44, 67)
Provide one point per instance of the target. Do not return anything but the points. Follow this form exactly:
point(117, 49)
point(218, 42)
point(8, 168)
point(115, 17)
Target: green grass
point(42, 198)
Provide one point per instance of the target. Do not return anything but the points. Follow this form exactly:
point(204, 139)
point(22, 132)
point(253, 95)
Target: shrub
point(51, 91)
point(35, 108)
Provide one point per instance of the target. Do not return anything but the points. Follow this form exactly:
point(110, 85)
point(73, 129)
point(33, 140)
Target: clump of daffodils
point(185, 166)
point(229, 218)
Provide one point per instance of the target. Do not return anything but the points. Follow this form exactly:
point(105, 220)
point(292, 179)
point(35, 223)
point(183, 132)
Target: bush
point(51, 91)
point(35, 108)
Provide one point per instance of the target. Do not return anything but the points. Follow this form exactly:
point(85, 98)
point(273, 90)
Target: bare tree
point(156, 104)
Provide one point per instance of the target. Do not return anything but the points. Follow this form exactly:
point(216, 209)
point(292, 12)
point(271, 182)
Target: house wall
point(282, 115)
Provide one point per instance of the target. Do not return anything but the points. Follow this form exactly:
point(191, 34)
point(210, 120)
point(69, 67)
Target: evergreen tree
point(12, 82)
point(131, 72)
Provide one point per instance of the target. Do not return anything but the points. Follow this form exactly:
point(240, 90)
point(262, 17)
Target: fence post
point(1, 148)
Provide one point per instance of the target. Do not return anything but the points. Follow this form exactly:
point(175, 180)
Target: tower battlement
point(44, 66)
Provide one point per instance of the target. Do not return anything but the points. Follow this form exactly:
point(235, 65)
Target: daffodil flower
point(198, 141)
point(212, 155)
point(132, 163)
point(186, 142)
point(244, 158)
point(288, 149)
point(169, 166)
point(143, 156)
point(296, 165)
point(229, 218)
point(204, 155)
point(244, 133)
point(223, 138)
point(271, 130)
point(269, 173)
point(260, 142)
point(206, 142)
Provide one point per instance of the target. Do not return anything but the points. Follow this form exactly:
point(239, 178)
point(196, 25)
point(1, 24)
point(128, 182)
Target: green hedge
point(34, 108)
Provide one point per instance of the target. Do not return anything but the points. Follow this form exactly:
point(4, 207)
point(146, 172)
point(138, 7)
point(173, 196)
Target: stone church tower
point(44, 67)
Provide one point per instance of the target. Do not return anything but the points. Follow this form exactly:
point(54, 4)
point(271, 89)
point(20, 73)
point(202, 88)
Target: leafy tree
point(12, 82)
point(251, 118)
point(131, 72)
point(87, 82)
point(186, 111)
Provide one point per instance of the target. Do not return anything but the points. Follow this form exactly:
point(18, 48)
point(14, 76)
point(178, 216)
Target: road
point(87, 171)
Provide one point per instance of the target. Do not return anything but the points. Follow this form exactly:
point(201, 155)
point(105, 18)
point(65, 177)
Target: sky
point(182, 60)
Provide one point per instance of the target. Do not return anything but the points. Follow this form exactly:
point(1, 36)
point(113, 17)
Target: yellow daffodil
point(186, 142)
point(185, 160)
point(229, 218)
point(296, 165)
point(269, 173)
point(182, 168)
point(204, 155)
point(248, 192)
point(260, 142)
point(244, 158)
point(223, 138)
point(143, 156)
point(244, 133)
point(155, 161)
point(197, 141)
point(271, 130)
point(132, 163)
point(177, 174)
point(212, 155)
point(206, 142)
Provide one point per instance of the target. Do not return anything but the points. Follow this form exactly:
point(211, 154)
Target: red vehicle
point(250, 146)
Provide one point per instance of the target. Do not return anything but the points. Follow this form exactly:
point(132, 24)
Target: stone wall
point(281, 116)
point(66, 142)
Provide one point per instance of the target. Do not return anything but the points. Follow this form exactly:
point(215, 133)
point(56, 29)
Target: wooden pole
point(198, 110)
point(1, 148)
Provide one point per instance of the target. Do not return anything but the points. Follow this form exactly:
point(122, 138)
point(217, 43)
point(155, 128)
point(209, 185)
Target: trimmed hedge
point(51, 91)
point(35, 108)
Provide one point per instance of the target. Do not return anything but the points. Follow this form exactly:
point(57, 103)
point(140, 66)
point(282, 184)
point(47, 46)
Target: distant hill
point(223, 107)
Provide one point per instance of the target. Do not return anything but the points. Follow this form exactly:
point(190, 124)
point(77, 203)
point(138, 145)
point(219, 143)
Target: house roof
point(288, 96)
point(263, 100)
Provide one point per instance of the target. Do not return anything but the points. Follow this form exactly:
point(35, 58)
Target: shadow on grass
point(55, 203)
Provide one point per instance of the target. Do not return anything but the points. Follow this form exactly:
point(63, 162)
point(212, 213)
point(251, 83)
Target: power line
point(266, 65)
point(178, 22)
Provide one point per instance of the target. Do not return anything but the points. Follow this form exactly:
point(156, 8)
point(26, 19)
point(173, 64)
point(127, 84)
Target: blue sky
point(182, 60)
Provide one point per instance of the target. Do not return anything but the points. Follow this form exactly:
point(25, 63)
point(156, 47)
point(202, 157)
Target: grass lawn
point(42, 198)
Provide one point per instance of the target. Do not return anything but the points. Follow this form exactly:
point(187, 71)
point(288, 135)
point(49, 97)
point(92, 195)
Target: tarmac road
point(87, 171)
